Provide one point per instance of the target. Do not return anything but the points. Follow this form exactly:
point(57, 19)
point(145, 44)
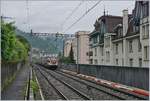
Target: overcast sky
point(48, 16)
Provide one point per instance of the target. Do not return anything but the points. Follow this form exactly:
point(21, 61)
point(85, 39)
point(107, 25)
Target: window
point(139, 45)
point(116, 48)
point(102, 60)
point(107, 42)
point(130, 46)
point(95, 39)
point(146, 53)
point(122, 47)
point(95, 51)
point(90, 39)
point(117, 62)
point(131, 62)
point(102, 51)
point(145, 9)
point(120, 32)
point(107, 56)
point(95, 61)
point(122, 62)
point(91, 61)
point(145, 31)
point(90, 53)
point(140, 62)
point(87, 53)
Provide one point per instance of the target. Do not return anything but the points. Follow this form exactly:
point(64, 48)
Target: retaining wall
point(131, 76)
point(8, 70)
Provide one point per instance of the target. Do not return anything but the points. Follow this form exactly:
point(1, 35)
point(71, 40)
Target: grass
point(35, 87)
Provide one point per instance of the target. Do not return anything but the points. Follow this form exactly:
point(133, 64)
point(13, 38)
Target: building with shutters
point(122, 40)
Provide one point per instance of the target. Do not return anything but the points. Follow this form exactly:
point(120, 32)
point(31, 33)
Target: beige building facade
point(81, 41)
point(81, 44)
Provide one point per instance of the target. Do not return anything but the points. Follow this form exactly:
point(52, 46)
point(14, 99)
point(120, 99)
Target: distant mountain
point(48, 44)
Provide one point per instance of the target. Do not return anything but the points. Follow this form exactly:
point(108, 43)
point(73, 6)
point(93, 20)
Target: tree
point(71, 55)
point(13, 49)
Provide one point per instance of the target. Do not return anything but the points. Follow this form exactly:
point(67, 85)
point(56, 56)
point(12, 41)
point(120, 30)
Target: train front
point(52, 63)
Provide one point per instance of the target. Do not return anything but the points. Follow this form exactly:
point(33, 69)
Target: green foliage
point(13, 49)
point(24, 41)
point(34, 85)
point(71, 55)
point(47, 44)
point(64, 60)
point(69, 59)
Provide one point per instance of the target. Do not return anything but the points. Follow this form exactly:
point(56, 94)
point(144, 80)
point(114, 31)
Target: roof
point(110, 22)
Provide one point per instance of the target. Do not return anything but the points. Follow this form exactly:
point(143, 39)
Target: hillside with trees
point(49, 44)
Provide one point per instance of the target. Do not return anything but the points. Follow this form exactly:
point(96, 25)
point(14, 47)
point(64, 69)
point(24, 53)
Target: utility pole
point(77, 53)
point(64, 46)
point(31, 55)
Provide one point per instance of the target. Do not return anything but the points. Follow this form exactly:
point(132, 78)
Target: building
point(67, 46)
point(99, 46)
point(144, 31)
point(124, 41)
point(82, 42)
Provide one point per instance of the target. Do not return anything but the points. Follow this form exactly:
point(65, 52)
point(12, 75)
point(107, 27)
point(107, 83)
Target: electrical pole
point(31, 55)
point(77, 53)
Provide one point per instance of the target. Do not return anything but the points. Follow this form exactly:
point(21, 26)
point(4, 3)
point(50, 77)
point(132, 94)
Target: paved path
point(15, 90)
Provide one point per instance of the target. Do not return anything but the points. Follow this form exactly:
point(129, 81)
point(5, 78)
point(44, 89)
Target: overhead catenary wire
point(82, 16)
point(48, 0)
point(27, 12)
point(73, 11)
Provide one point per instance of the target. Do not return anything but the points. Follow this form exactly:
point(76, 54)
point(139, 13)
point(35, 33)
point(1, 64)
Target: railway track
point(63, 89)
point(98, 93)
point(125, 95)
point(119, 94)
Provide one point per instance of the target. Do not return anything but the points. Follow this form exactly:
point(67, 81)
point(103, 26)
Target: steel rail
point(69, 86)
point(58, 92)
point(141, 97)
point(112, 94)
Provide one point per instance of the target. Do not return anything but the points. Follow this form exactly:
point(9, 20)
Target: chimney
point(125, 21)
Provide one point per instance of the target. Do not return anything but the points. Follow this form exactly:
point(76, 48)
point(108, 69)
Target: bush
point(13, 49)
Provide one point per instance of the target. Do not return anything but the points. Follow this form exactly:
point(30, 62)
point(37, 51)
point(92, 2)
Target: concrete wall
point(131, 76)
point(8, 70)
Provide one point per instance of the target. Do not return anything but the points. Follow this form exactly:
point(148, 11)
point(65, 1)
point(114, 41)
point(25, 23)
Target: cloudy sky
point(49, 16)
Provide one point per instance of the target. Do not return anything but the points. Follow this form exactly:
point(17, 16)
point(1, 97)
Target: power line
point(27, 9)
point(83, 15)
point(73, 11)
point(49, 0)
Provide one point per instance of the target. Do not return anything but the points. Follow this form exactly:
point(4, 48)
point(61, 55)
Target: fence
point(131, 76)
point(8, 70)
